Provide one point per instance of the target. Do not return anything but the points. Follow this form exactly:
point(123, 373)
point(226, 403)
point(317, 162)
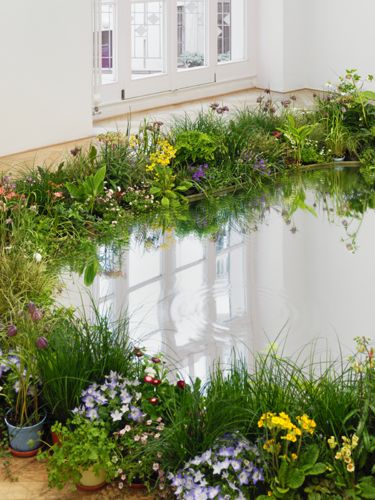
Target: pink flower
point(42, 343)
point(58, 194)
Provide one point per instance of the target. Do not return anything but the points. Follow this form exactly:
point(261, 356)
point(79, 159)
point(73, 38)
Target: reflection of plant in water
point(341, 195)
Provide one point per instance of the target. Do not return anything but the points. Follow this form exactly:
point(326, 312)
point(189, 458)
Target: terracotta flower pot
point(137, 485)
point(55, 438)
point(91, 481)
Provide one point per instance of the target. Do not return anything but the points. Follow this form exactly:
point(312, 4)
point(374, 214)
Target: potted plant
point(24, 418)
point(86, 457)
point(337, 139)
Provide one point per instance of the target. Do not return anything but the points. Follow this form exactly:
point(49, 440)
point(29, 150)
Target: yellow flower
point(133, 141)
point(290, 437)
point(350, 467)
point(332, 442)
point(294, 456)
point(307, 423)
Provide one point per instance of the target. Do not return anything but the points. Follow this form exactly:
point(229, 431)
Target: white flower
point(156, 466)
point(37, 257)
point(150, 371)
point(149, 422)
point(157, 436)
point(138, 396)
point(124, 408)
point(116, 415)
point(137, 438)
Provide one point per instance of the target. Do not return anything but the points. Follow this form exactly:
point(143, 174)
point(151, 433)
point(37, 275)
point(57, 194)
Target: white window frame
point(126, 88)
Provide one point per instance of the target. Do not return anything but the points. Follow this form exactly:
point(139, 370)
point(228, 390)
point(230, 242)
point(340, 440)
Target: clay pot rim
point(24, 454)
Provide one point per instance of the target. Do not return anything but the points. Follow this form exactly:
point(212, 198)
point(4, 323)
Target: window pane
point(147, 32)
point(191, 33)
point(107, 41)
point(230, 30)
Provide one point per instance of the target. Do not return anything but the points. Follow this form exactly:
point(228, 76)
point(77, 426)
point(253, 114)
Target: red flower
point(148, 379)
point(154, 400)
point(156, 381)
point(276, 134)
point(181, 384)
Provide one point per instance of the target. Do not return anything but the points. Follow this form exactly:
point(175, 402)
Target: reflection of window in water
point(230, 269)
point(110, 259)
point(143, 265)
point(188, 251)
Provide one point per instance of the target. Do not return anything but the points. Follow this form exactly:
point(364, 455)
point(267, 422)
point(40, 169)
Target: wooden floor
point(55, 154)
point(26, 479)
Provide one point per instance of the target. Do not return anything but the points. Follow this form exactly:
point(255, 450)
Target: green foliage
point(79, 353)
point(83, 445)
point(367, 169)
point(89, 189)
point(23, 279)
point(196, 147)
point(296, 135)
point(166, 188)
point(247, 123)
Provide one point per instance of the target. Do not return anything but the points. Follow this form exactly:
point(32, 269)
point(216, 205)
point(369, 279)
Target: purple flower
point(92, 414)
point(135, 414)
point(200, 173)
point(42, 343)
point(89, 401)
point(243, 477)
point(261, 167)
point(31, 307)
point(257, 475)
point(11, 331)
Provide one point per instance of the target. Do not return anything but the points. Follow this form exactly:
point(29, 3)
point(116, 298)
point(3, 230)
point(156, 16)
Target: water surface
point(293, 266)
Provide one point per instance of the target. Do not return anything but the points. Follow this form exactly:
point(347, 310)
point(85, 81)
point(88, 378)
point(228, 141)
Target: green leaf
point(367, 485)
point(368, 95)
point(165, 202)
point(92, 154)
point(74, 191)
point(283, 471)
point(314, 496)
point(99, 178)
point(296, 478)
point(316, 469)
point(310, 456)
point(91, 271)
point(155, 190)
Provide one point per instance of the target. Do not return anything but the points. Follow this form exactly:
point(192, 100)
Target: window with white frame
point(147, 37)
point(224, 28)
point(107, 41)
point(191, 33)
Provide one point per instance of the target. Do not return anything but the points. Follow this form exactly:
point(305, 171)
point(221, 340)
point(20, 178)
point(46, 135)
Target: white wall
point(305, 43)
point(340, 34)
point(45, 73)
point(270, 47)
